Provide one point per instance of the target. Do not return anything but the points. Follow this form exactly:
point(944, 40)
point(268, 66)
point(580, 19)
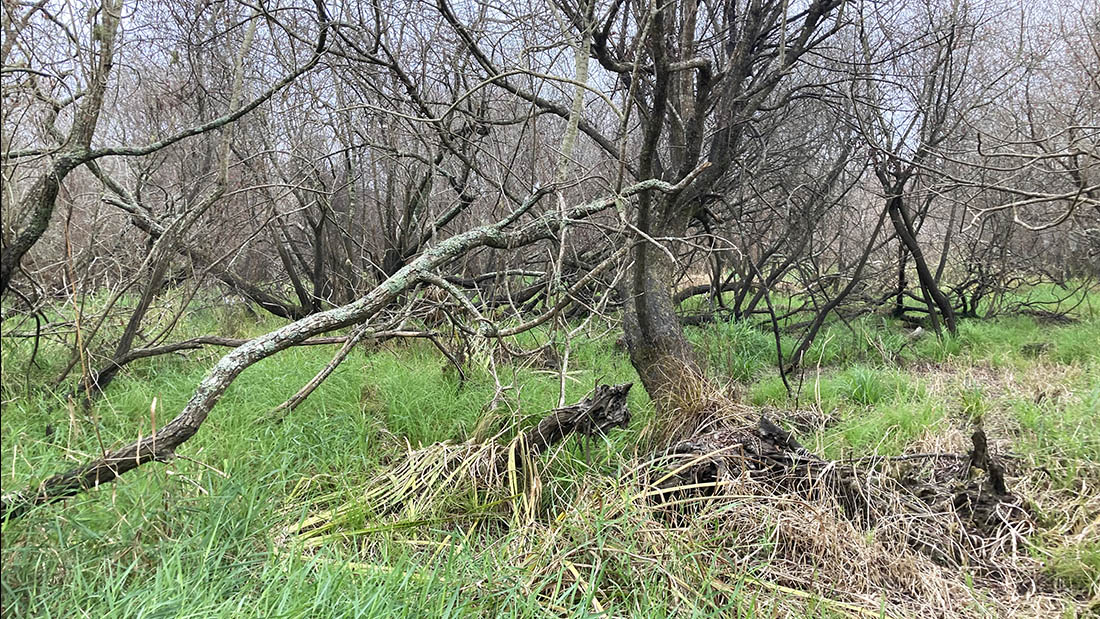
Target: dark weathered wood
point(980, 459)
point(701, 464)
point(603, 410)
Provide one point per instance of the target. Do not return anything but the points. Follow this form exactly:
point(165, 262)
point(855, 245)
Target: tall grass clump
point(736, 350)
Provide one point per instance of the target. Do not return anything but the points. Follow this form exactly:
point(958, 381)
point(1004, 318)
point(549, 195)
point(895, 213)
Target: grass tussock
point(430, 485)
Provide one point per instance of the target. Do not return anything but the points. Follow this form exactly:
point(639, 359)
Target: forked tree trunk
point(903, 225)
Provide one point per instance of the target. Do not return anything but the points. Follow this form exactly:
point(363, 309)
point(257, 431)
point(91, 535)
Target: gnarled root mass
point(913, 528)
point(952, 509)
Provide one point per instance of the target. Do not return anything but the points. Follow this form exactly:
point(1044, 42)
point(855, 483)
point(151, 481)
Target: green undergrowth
point(205, 535)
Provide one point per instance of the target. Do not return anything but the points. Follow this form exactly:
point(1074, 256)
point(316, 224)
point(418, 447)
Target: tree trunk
point(904, 228)
point(39, 201)
point(42, 197)
point(659, 350)
point(903, 283)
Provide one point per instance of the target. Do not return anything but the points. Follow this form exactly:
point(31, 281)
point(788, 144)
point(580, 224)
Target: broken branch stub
point(595, 415)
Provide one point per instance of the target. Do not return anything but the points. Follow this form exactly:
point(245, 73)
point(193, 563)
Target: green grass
point(1078, 566)
point(200, 536)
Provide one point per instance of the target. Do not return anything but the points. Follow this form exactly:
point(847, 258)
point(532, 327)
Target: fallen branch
point(595, 415)
point(162, 445)
point(303, 393)
point(112, 367)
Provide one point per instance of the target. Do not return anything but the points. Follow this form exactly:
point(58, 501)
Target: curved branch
point(162, 444)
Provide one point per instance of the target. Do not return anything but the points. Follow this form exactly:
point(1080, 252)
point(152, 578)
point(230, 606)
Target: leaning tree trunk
point(903, 225)
point(76, 149)
point(42, 197)
point(659, 350)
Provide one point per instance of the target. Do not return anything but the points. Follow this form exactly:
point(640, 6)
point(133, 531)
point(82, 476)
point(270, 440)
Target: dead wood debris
point(955, 505)
point(911, 528)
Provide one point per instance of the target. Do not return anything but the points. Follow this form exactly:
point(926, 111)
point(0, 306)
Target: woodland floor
point(219, 531)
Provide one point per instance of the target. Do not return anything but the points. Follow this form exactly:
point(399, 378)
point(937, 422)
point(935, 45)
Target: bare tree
point(466, 172)
point(97, 53)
